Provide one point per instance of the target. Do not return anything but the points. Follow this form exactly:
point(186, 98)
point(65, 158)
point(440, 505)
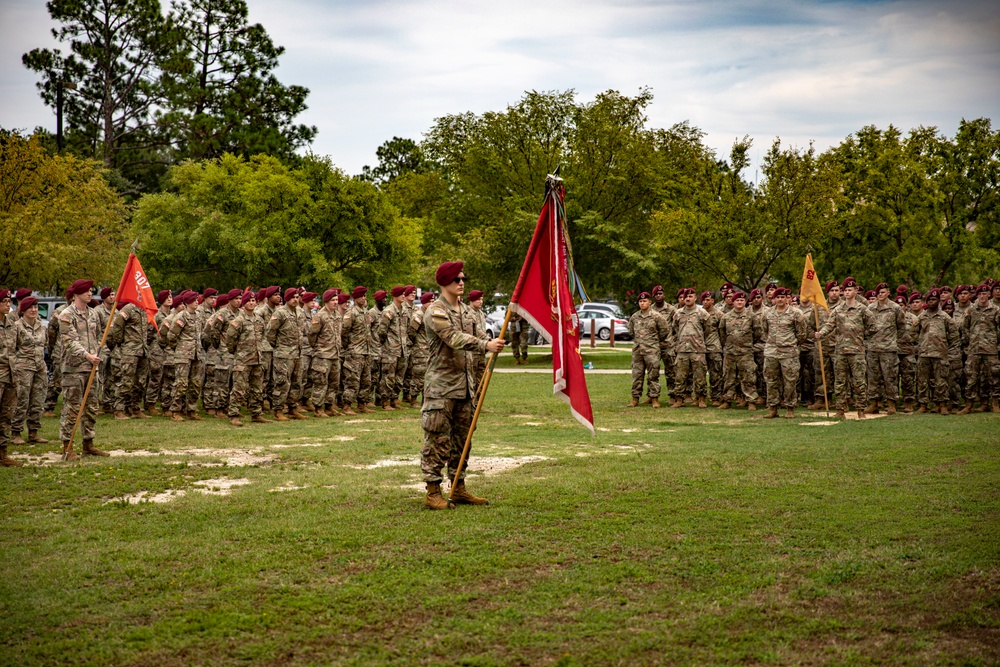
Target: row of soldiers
point(294, 352)
point(884, 349)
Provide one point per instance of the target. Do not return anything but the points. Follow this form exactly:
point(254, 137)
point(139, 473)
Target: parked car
point(602, 325)
point(611, 309)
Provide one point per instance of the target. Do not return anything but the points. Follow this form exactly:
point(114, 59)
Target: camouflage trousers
point(215, 395)
point(31, 386)
point(55, 385)
point(166, 392)
point(478, 369)
point(956, 380)
point(407, 382)
point(446, 424)
point(742, 370)
point(8, 403)
point(248, 390)
point(287, 377)
point(418, 368)
point(73, 386)
point(758, 360)
point(110, 380)
point(851, 372)
point(667, 359)
point(716, 379)
point(130, 395)
point(932, 380)
point(266, 367)
point(693, 363)
point(807, 378)
point(645, 367)
point(982, 374)
point(822, 372)
point(908, 377)
point(390, 385)
point(325, 374)
point(305, 384)
point(883, 376)
point(154, 379)
point(187, 385)
point(519, 344)
point(781, 375)
point(357, 373)
point(375, 366)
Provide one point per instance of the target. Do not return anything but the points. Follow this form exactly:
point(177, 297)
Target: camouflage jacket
point(936, 332)
point(305, 321)
point(416, 334)
point(324, 334)
point(244, 339)
point(283, 333)
point(8, 349)
point(81, 335)
point(52, 340)
point(131, 330)
point(782, 332)
point(30, 345)
point(356, 333)
point(758, 322)
point(690, 326)
point(890, 326)
point(980, 329)
point(648, 329)
point(264, 312)
point(478, 318)
point(450, 342)
point(738, 332)
point(907, 342)
point(853, 325)
point(713, 344)
point(103, 312)
point(216, 330)
point(156, 350)
point(391, 332)
point(667, 311)
point(374, 316)
point(184, 337)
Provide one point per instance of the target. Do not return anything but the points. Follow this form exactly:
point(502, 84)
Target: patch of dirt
point(818, 423)
point(289, 486)
point(220, 486)
point(144, 497)
point(484, 465)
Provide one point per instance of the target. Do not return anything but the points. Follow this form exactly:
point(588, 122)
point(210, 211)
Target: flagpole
point(822, 366)
point(90, 380)
point(484, 384)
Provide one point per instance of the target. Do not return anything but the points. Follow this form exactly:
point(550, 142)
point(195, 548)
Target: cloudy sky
point(811, 70)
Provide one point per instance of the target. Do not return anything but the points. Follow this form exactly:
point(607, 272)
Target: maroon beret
point(870, 294)
point(359, 292)
point(681, 292)
point(379, 295)
point(916, 296)
point(210, 292)
point(704, 294)
point(830, 285)
point(772, 283)
point(106, 292)
point(222, 300)
point(4, 293)
point(983, 289)
point(162, 296)
point(644, 295)
point(81, 286)
point(850, 282)
point(936, 293)
point(247, 297)
point(26, 303)
point(946, 288)
point(291, 293)
point(398, 290)
point(902, 290)
point(192, 297)
point(901, 300)
point(754, 293)
point(343, 298)
point(447, 272)
point(426, 297)
point(234, 293)
point(738, 295)
point(268, 292)
point(308, 296)
point(995, 285)
point(409, 289)
point(881, 286)
point(329, 294)
point(475, 295)
point(22, 293)
point(94, 303)
point(963, 288)
point(658, 288)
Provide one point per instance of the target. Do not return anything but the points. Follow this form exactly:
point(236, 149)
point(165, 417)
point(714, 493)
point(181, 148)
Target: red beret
point(983, 289)
point(398, 290)
point(329, 294)
point(870, 294)
point(880, 287)
point(234, 294)
point(291, 293)
point(81, 286)
point(247, 297)
point(308, 296)
point(995, 285)
point(755, 292)
point(22, 293)
point(106, 292)
point(343, 298)
point(426, 297)
point(902, 289)
point(901, 300)
point(379, 295)
point(192, 297)
point(26, 303)
point(830, 285)
point(4, 293)
point(916, 296)
point(738, 295)
point(162, 296)
point(850, 282)
point(705, 294)
point(359, 292)
point(772, 283)
point(94, 303)
point(268, 292)
point(681, 292)
point(447, 272)
point(210, 292)
point(946, 288)
point(644, 295)
point(475, 295)
point(409, 289)
point(222, 300)
point(936, 293)
point(658, 288)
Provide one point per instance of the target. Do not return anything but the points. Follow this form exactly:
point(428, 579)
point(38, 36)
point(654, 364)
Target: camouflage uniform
point(980, 330)
point(935, 334)
point(883, 351)
point(782, 332)
point(184, 337)
point(668, 347)
point(738, 333)
point(8, 391)
point(955, 374)
point(853, 325)
point(263, 311)
point(647, 330)
point(519, 337)
point(325, 339)
point(907, 343)
point(285, 337)
point(374, 316)
point(129, 333)
point(244, 339)
point(395, 348)
point(418, 352)
point(221, 383)
point(305, 377)
point(808, 364)
point(154, 359)
point(690, 327)
point(53, 343)
point(713, 354)
point(356, 342)
point(479, 360)
point(30, 371)
point(168, 374)
point(81, 335)
point(449, 386)
point(109, 370)
point(758, 348)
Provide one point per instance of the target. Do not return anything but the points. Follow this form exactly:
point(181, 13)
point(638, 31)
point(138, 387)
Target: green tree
point(396, 157)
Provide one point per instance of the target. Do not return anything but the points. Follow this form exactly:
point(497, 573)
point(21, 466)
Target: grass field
point(672, 537)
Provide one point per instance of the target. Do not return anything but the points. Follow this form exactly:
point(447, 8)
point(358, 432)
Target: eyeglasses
point(460, 279)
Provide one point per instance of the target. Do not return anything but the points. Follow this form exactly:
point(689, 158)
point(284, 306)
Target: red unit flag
point(134, 288)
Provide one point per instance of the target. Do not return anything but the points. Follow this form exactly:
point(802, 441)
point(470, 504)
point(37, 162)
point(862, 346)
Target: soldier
point(448, 388)
point(374, 316)
point(184, 338)
point(207, 303)
point(8, 391)
point(690, 327)
point(285, 338)
point(980, 330)
point(935, 334)
point(756, 307)
point(305, 320)
point(853, 324)
point(30, 371)
point(883, 352)
point(409, 307)
point(519, 339)
point(244, 340)
point(782, 328)
point(356, 342)
point(810, 382)
point(738, 332)
point(108, 370)
point(479, 323)
point(155, 354)
point(995, 294)
point(955, 376)
point(394, 345)
point(912, 305)
point(668, 347)
point(965, 294)
point(268, 299)
point(53, 345)
point(418, 348)
point(325, 340)
point(129, 334)
point(713, 347)
point(79, 327)
point(647, 328)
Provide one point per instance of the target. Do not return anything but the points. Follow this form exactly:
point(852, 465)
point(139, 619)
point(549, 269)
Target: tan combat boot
point(151, 409)
point(68, 453)
point(772, 413)
point(17, 439)
point(724, 405)
point(387, 406)
point(995, 405)
point(434, 500)
point(194, 416)
point(6, 461)
point(221, 414)
point(49, 413)
point(260, 419)
point(414, 403)
point(701, 403)
point(633, 403)
point(861, 414)
point(790, 413)
point(872, 408)
point(944, 409)
point(176, 416)
point(210, 412)
point(741, 402)
point(279, 416)
point(90, 450)
point(890, 407)
point(168, 414)
point(460, 496)
point(655, 402)
point(752, 407)
point(965, 410)
point(121, 416)
point(235, 421)
point(646, 401)
point(35, 438)
point(363, 408)
point(840, 415)
point(677, 403)
point(295, 414)
point(348, 410)
point(332, 411)
point(139, 414)
point(320, 412)
point(922, 409)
